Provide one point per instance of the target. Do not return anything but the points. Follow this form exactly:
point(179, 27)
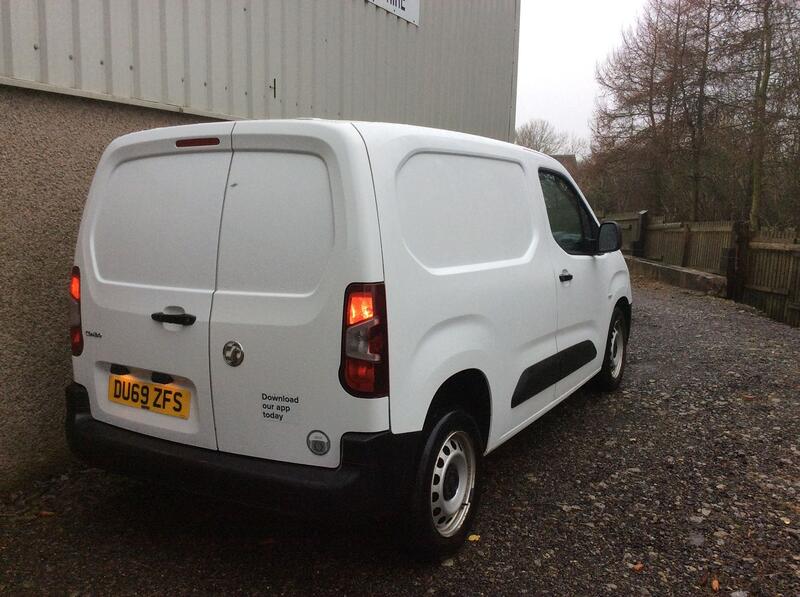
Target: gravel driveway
point(685, 481)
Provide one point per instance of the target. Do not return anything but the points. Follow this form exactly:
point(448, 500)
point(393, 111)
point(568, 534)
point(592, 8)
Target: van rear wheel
point(445, 494)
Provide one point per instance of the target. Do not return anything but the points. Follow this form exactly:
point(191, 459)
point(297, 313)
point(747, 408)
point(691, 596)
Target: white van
point(333, 316)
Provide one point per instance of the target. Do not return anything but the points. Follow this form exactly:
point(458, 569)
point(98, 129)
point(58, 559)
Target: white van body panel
point(584, 304)
point(148, 241)
point(475, 288)
point(299, 225)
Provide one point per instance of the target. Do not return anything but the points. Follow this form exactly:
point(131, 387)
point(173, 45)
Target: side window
point(572, 226)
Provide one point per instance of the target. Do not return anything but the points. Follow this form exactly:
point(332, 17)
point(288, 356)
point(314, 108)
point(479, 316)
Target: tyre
point(610, 376)
point(445, 494)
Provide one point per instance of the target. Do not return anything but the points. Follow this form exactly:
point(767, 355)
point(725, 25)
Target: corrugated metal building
point(74, 74)
point(454, 68)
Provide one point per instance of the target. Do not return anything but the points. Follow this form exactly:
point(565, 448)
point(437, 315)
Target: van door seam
point(380, 240)
point(214, 291)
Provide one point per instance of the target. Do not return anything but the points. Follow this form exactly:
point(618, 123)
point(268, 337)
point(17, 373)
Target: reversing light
point(364, 369)
point(75, 326)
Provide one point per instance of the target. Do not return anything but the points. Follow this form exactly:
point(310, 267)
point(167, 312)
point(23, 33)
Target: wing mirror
point(609, 238)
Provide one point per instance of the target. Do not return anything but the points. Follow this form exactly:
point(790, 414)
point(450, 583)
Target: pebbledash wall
point(75, 75)
point(49, 147)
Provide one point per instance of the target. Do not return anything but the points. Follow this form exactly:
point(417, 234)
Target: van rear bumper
point(375, 473)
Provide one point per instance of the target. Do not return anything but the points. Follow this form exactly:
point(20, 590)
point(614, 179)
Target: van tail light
point(364, 371)
point(75, 329)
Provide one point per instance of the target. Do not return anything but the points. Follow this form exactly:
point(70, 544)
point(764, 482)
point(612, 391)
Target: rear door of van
point(148, 245)
point(298, 226)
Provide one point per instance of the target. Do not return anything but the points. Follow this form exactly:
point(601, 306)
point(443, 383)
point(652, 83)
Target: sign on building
point(405, 9)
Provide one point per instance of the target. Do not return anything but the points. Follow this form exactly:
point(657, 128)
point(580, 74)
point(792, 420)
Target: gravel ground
point(685, 481)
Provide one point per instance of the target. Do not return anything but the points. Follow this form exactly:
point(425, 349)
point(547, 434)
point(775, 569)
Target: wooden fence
point(698, 245)
point(762, 270)
point(772, 276)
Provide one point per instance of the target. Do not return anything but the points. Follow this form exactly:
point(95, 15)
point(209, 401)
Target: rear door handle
point(565, 276)
point(176, 318)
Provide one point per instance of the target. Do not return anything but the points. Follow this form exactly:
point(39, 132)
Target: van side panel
point(468, 283)
point(463, 211)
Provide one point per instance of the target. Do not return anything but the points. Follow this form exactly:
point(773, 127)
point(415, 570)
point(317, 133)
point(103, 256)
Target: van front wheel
point(445, 494)
point(610, 376)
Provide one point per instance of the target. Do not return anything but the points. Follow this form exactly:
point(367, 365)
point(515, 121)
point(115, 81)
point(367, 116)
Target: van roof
point(394, 128)
point(377, 130)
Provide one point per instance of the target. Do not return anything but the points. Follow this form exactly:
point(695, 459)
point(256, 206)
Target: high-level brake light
point(197, 142)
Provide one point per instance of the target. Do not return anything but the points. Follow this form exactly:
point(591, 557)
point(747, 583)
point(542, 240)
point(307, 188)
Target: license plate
point(165, 399)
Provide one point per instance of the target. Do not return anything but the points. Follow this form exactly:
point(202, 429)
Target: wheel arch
point(467, 390)
point(624, 304)
point(619, 291)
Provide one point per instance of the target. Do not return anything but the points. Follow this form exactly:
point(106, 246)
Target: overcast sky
point(560, 43)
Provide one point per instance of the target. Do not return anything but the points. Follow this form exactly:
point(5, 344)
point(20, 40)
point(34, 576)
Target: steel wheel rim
point(616, 349)
point(452, 483)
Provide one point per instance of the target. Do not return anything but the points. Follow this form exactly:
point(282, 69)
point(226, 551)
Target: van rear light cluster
point(364, 371)
point(75, 329)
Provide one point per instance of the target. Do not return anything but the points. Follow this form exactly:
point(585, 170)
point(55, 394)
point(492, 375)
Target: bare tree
point(575, 145)
point(540, 135)
point(699, 113)
point(760, 111)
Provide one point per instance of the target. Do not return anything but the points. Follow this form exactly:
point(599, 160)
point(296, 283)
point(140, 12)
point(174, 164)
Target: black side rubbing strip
point(536, 378)
point(576, 356)
point(542, 375)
